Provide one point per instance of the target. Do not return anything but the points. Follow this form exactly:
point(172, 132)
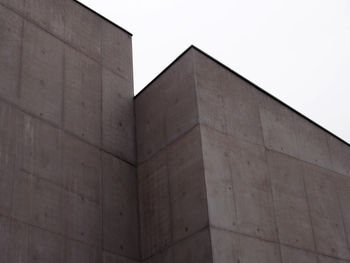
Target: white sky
point(297, 50)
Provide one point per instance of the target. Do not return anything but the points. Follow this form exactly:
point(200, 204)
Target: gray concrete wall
point(68, 189)
point(276, 186)
point(223, 172)
point(172, 196)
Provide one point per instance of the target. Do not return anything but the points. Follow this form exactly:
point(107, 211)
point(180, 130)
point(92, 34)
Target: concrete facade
point(227, 173)
point(202, 166)
point(68, 190)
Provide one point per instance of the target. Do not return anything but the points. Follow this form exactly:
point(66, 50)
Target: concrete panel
point(13, 241)
point(278, 127)
point(82, 96)
point(8, 123)
point(225, 246)
point(17, 5)
point(189, 214)
point(83, 219)
point(38, 202)
point(292, 255)
point(77, 252)
point(249, 209)
point(45, 246)
point(227, 103)
point(22, 197)
point(10, 53)
point(6, 186)
point(323, 259)
point(165, 256)
point(209, 94)
point(255, 250)
point(252, 188)
point(340, 155)
point(187, 185)
point(120, 204)
point(194, 249)
point(118, 126)
point(181, 105)
point(47, 152)
point(167, 109)
point(343, 190)
point(42, 74)
point(216, 157)
point(117, 51)
point(154, 203)
point(5, 226)
point(111, 258)
point(241, 104)
point(81, 168)
point(312, 143)
point(255, 213)
point(83, 29)
point(326, 213)
point(292, 211)
point(8, 118)
point(230, 247)
point(150, 116)
point(38, 148)
point(49, 14)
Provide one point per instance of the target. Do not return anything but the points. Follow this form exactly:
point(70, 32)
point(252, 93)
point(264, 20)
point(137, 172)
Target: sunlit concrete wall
point(227, 173)
point(67, 150)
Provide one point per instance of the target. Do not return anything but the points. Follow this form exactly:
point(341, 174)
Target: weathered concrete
point(166, 109)
point(118, 127)
point(223, 172)
point(291, 205)
point(82, 96)
point(49, 14)
point(326, 214)
point(120, 215)
point(275, 185)
point(41, 74)
point(11, 26)
point(291, 255)
point(230, 247)
point(86, 36)
point(172, 194)
point(68, 189)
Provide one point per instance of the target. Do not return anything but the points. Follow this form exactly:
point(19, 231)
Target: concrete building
point(217, 171)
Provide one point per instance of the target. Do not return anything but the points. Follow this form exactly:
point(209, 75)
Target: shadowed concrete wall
point(227, 173)
point(67, 155)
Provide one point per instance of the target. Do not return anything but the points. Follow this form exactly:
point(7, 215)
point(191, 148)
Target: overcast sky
point(297, 50)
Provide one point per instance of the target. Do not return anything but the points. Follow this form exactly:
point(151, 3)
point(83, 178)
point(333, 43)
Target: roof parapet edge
point(245, 79)
point(104, 18)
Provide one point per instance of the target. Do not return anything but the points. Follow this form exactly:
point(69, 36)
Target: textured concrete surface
point(41, 73)
point(166, 109)
point(68, 190)
point(11, 26)
point(223, 172)
point(118, 127)
point(276, 186)
point(82, 96)
point(172, 195)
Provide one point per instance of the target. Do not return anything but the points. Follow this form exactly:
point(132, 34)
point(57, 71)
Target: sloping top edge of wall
point(104, 18)
point(243, 78)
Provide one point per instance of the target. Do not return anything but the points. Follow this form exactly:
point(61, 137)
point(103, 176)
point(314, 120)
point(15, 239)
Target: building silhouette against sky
point(201, 166)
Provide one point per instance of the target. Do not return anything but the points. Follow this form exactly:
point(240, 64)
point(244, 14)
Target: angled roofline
point(164, 70)
point(245, 79)
point(104, 18)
